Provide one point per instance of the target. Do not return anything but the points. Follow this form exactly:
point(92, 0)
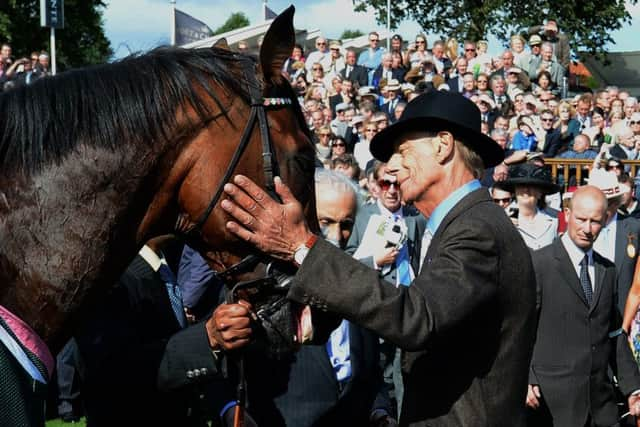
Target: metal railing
point(561, 169)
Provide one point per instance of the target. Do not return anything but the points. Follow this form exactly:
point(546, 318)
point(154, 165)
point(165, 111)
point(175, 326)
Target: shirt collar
point(447, 204)
point(386, 212)
point(151, 258)
point(575, 253)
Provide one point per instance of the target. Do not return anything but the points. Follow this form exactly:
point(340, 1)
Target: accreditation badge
point(631, 249)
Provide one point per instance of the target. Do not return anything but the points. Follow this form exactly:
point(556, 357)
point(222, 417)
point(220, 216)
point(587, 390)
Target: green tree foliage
point(351, 34)
point(81, 42)
point(234, 21)
point(588, 23)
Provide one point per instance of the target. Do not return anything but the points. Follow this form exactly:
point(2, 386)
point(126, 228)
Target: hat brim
point(545, 186)
point(384, 142)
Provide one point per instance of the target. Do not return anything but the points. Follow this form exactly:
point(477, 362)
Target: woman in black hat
point(530, 184)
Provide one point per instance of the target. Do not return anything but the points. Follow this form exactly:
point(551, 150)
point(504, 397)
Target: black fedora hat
point(437, 111)
point(530, 174)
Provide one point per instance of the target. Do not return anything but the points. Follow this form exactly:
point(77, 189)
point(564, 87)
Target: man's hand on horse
point(229, 327)
point(275, 228)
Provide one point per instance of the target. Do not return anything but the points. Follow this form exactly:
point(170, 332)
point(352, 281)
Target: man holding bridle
point(466, 322)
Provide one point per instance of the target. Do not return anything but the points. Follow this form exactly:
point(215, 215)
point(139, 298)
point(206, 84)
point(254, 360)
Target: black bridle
point(270, 167)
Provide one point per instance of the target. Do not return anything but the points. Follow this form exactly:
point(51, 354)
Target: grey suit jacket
point(416, 224)
point(467, 320)
point(573, 350)
point(627, 235)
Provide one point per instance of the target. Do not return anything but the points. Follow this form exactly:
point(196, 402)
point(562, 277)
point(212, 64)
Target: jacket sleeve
point(624, 364)
point(188, 359)
point(461, 281)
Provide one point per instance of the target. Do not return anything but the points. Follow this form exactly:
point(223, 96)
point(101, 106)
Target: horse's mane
point(134, 99)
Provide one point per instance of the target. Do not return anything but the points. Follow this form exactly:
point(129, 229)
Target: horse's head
point(206, 162)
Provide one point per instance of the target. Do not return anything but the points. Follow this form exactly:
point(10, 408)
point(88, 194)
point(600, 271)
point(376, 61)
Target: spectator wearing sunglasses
point(502, 198)
point(371, 58)
point(396, 265)
point(320, 56)
point(552, 143)
point(338, 147)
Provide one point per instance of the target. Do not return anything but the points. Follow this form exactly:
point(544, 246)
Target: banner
point(268, 13)
point(189, 29)
point(52, 13)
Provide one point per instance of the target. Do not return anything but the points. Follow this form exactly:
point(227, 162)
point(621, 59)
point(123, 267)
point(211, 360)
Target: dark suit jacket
point(396, 73)
point(617, 151)
point(416, 224)
point(467, 320)
point(122, 344)
point(552, 143)
point(453, 84)
point(358, 75)
point(301, 390)
point(627, 233)
point(573, 350)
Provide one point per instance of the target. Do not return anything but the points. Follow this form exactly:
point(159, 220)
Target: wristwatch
point(301, 252)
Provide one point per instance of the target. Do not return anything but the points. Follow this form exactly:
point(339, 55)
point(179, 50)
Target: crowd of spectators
point(20, 71)
point(522, 95)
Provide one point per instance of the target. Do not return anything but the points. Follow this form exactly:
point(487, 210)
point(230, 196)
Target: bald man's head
point(586, 215)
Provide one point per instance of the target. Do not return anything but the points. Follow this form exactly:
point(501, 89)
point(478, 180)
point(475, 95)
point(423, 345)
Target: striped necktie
point(175, 294)
point(585, 280)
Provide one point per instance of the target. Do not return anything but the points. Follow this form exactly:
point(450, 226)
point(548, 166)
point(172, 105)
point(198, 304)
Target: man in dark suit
point(123, 341)
point(354, 72)
point(569, 382)
point(330, 384)
point(367, 246)
point(552, 144)
point(467, 321)
point(385, 71)
point(618, 240)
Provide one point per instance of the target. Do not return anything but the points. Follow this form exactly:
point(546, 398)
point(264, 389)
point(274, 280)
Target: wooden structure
point(562, 168)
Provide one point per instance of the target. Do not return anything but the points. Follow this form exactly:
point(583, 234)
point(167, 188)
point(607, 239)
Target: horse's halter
point(270, 163)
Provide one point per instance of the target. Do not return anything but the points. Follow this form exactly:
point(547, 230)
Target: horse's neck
point(69, 231)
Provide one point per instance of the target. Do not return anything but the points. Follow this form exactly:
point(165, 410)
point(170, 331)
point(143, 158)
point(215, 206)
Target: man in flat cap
point(467, 321)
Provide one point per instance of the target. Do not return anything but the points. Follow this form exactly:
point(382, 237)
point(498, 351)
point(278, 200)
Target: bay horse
point(95, 162)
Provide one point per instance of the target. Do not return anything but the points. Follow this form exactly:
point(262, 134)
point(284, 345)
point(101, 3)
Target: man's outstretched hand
point(275, 228)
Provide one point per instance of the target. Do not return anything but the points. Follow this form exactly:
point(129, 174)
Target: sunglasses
point(372, 130)
point(321, 44)
point(634, 123)
point(419, 41)
point(340, 144)
point(547, 120)
point(469, 50)
point(385, 184)
point(374, 40)
point(505, 200)
point(325, 134)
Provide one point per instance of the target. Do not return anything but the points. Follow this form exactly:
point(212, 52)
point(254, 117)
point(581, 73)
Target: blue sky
point(139, 25)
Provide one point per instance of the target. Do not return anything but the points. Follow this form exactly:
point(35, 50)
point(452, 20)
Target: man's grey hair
point(335, 181)
point(548, 45)
point(499, 132)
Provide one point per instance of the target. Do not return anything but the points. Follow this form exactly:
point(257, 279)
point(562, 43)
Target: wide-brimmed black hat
point(530, 174)
point(437, 111)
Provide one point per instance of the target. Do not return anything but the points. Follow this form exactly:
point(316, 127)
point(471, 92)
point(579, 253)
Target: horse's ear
point(221, 44)
point(277, 44)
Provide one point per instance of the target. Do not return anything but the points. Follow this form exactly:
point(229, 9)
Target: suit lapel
point(564, 266)
point(599, 273)
point(620, 244)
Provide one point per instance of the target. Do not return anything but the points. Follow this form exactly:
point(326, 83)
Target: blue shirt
point(447, 204)
point(371, 60)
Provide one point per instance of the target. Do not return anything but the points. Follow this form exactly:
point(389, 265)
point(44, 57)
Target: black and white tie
point(585, 281)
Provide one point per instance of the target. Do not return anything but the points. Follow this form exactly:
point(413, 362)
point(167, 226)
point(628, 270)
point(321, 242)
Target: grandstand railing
point(561, 169)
